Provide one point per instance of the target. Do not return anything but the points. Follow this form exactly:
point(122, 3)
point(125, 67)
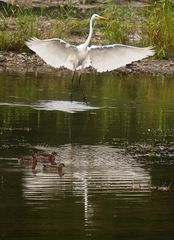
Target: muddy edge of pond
point(24, 62)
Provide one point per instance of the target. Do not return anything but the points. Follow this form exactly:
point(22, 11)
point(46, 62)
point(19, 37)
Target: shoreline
point(25, 62)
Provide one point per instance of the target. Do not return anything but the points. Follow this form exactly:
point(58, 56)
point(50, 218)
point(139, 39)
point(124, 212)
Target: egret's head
point(96, 16)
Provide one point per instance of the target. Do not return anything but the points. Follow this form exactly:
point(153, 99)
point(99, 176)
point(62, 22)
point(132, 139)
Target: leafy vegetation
point(14, 30)
point(121, 23)
point(143, 26)
point(158, 28)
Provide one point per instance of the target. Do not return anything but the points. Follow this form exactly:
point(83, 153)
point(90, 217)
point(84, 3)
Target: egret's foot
point(71, 97)
point(85, 99)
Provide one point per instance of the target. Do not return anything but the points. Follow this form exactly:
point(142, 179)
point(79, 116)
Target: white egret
point(59, 53)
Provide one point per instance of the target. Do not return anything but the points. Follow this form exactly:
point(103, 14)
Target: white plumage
point(59, 53)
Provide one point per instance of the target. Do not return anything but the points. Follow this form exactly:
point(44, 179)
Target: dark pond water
point(118, 152)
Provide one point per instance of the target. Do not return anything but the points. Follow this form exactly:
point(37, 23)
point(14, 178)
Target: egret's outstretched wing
point(55, 52)
point(110, 57)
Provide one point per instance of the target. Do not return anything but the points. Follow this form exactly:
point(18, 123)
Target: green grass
point(153, 24)
point(13, 39)
point(158, 28)
point(17, 24)
point(120, 23)
point(16, 28)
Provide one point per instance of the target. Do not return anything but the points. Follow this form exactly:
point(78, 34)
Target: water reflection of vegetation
point(135, 108)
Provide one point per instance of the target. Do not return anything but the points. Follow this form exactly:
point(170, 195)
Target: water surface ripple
point(118, 153)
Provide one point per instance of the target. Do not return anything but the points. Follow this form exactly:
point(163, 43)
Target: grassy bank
point(158, 28)
point(142, 26)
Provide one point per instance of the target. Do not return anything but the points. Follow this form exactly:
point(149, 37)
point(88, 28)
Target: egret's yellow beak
point(101, 17)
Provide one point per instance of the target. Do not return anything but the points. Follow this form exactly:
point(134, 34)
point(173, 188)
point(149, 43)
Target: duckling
point(58, 168)
point(29, 161)
point(47, 157)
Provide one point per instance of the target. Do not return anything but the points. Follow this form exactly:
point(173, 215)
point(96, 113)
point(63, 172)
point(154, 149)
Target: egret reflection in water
point(64, 106)
point(51, 105)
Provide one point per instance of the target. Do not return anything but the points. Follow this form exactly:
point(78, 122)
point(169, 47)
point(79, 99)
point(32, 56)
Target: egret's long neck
point(90, 33)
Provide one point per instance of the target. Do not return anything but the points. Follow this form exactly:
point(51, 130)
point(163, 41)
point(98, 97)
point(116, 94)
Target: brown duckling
point(58, 168)
point(29, 160)
point(47, 157)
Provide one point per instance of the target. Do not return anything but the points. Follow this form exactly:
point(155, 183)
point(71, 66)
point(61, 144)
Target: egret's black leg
point(84, 97)
point(72, 79)
point(71, 96)
point(80, 79)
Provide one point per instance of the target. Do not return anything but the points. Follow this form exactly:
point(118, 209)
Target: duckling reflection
point(26, 161)
point(45, 157)
point(54, 168)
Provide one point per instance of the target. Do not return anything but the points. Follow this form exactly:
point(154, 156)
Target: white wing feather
point(109, 57)
point(55, 52)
